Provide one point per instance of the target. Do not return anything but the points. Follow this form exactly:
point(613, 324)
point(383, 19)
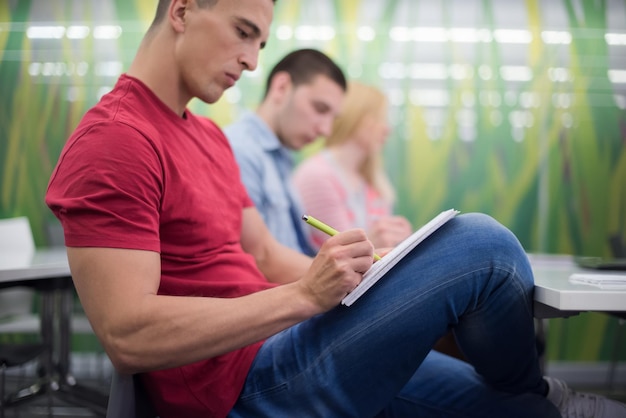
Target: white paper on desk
point(603, 281)
point(380, 268)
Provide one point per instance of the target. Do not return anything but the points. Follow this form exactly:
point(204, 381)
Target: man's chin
point(211, 97)
point(303, 144)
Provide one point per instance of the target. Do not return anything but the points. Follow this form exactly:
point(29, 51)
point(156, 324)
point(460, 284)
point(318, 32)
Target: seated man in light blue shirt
point(303, 95)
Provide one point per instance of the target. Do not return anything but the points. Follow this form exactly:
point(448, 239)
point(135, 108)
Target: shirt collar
point(267, 139)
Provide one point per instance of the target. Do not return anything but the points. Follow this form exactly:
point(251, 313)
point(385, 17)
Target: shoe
point(574, 404)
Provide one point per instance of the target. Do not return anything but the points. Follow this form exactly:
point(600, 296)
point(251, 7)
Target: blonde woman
point(345, 185)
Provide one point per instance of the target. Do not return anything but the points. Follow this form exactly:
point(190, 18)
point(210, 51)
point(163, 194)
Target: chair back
point(17, 247)
point(127, 398)
point(16, 237)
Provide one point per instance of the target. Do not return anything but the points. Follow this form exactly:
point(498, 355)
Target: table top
point(44, 263)
point(554, 289)
point(552, 285)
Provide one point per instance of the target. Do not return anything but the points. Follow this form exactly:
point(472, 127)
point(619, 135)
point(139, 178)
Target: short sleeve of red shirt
point(110, 187)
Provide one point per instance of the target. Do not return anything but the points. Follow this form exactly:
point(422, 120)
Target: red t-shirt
point(136, 175)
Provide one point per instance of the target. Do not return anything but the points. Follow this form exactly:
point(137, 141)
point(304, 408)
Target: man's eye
point(242, 33)
point(321, 109)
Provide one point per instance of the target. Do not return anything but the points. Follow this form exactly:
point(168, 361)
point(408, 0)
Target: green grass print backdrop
point(542, 150)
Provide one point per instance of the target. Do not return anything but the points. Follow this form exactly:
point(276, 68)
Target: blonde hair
point(362, 101)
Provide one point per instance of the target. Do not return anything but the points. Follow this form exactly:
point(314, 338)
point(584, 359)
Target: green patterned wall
point(510, 107)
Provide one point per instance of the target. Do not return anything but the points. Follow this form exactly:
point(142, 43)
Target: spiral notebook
point(380, 268)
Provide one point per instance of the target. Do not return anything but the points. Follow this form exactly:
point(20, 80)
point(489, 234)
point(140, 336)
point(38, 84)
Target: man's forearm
point(284, 265)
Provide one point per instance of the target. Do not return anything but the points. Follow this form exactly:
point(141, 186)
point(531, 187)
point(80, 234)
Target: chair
point(15, 355)
point(127, 398)
point(16, 304)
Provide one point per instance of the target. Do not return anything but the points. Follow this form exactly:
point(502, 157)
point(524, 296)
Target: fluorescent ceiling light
point(77, 32)
point(365, 33)
point(107, 32)
point(559, 74)
point(474, 35)
point(521, 119)
point(485, 72)
point(512, 36)
point(400, 34)
point(425, 71)
point(469, 35)
point(429, 34)
point(617, 76)
point(109, 68)
point(516, 73)
point(34, 68)
point(45, 32)
point(429, 98)
point(556, 37)
point(315, 33)
point(461, 71)
point(392, 70)
point(615, 38)
point(395, 96)
point(284, 32)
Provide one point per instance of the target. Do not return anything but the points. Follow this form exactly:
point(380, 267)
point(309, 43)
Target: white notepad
point(380, 268)
point(603, 281)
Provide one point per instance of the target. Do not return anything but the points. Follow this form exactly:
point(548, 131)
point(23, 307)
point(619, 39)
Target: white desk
point(48, 271)
point(556, 296)
point(44, 264)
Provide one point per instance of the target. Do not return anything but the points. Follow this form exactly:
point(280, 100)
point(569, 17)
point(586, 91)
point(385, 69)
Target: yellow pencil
point(316, 223)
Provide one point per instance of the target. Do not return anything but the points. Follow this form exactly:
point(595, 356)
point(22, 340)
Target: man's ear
point(177, 13)
point(280, 86)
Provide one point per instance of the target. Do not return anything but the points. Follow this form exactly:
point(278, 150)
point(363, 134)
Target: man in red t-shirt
point(183, 283)
point(151, 203)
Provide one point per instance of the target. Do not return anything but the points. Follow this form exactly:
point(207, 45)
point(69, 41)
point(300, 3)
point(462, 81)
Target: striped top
point(327, 195)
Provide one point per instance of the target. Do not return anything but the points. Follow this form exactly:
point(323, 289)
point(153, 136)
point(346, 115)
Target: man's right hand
point(337, 269)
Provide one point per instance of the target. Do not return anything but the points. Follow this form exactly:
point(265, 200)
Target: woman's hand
point(389, 231)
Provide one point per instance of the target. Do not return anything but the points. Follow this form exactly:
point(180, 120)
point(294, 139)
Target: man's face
point(308, 112)
point(218, 43)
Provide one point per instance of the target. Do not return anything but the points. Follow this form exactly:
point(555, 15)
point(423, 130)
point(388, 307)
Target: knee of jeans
point(486, 230)
point(490, 238)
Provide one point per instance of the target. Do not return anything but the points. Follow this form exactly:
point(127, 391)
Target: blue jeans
point(374, 358)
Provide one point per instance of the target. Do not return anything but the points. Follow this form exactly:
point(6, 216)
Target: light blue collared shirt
point(266, 166)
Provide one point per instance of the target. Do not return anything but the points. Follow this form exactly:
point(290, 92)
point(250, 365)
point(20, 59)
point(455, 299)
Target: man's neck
point(155, 66)
point(267, 114)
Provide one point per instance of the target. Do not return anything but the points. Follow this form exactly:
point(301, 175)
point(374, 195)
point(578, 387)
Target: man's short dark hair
point(164, 4)
point(303, 65)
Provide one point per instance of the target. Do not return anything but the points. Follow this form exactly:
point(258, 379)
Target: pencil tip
point(305, 217)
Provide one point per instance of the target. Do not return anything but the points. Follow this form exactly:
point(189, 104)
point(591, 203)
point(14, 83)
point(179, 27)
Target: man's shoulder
point(123, 108)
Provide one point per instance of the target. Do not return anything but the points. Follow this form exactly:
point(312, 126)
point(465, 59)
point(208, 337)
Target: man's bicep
point(112, 282)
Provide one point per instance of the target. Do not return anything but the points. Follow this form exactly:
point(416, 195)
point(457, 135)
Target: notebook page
point(380, 268)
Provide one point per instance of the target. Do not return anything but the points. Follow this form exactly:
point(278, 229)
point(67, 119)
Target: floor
point(39, 408)
point(95, 375)
point(87, 399)
point(56, 404)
